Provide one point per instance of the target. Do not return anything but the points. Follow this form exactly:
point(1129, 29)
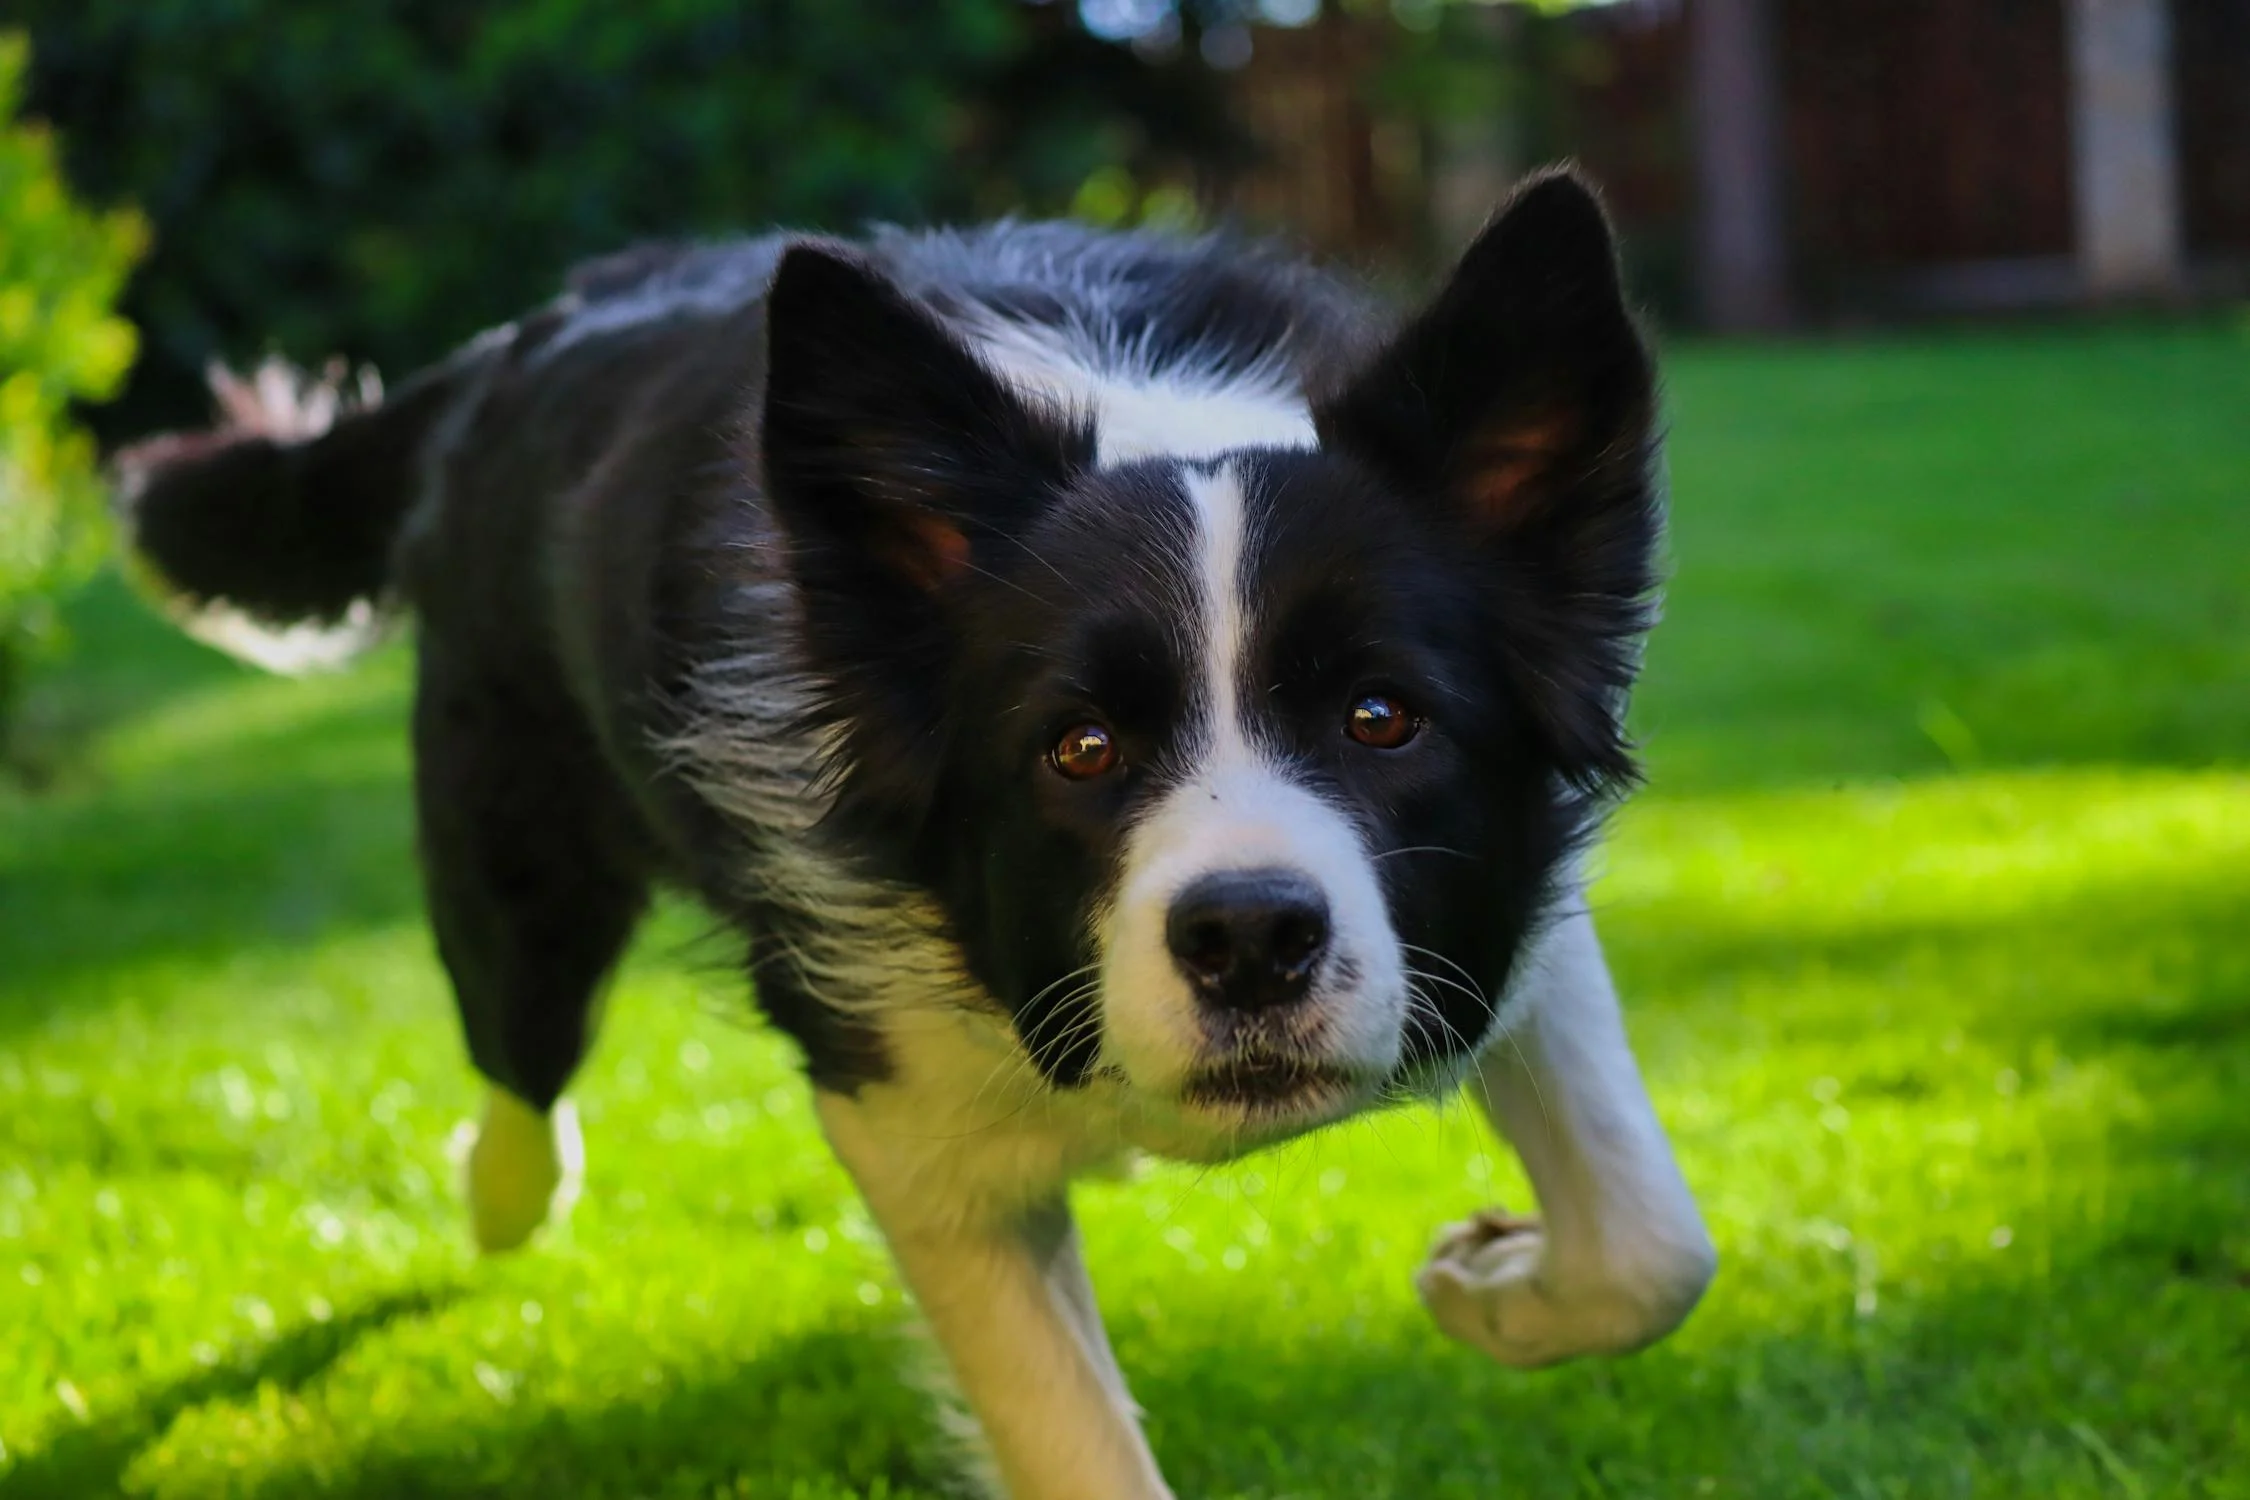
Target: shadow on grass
point(91, 1460)
point(194, 873)
point(2087, 1359)
point(820, 1413)
point(244, 816)
point(1995, 1384)
point(1991, 1383)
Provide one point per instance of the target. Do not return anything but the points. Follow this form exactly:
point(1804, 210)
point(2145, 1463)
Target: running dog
point(1128, 693)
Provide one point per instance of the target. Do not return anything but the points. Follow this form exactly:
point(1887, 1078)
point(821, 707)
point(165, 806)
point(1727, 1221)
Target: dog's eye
point(1381, 722)
point(1084, 752)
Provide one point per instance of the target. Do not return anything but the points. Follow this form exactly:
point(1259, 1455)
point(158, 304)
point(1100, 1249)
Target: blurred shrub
point(380, 178)
point(61, 268)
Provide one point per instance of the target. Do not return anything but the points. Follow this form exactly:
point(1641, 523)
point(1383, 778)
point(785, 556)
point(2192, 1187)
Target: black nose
point(1247, 939)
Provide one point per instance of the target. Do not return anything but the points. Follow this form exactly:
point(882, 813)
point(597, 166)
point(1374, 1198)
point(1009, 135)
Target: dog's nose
point(1247, 939)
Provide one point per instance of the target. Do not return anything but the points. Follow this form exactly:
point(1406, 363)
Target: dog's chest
point(969, 1120)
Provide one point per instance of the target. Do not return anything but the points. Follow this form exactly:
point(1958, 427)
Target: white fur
point(860, 946)
point(1143, 412)
point(1004, 1289)
point(277, 400)
point(1622, 1255)
point(1239, 809)
point(298, 650)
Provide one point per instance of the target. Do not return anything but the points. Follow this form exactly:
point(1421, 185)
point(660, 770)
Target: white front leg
point(1621, 1255)
point(1004, 1290)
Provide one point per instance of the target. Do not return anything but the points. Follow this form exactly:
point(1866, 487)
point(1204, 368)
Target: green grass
point(1935, 921)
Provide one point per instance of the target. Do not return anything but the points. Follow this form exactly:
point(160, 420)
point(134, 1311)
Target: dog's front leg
point(1005, 1291)
point(1620, 1255)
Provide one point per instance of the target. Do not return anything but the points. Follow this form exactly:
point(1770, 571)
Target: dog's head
point(1240, 777)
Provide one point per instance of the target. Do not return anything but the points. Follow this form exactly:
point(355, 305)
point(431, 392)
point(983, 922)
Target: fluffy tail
point(275, 530)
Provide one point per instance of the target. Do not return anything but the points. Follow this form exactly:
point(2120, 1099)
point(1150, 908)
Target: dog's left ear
point(1522, 401)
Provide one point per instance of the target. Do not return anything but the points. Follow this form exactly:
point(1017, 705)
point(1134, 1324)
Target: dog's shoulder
point(1218, 307)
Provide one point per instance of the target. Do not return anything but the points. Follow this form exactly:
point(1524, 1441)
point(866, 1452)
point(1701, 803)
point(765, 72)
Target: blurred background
point(378, 178)
point(1932, 916)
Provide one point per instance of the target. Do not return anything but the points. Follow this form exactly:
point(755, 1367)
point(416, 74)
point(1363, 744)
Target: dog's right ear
point(900, 469)
point(893, 457)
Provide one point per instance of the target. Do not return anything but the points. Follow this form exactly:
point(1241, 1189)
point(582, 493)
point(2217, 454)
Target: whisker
point(1026, 1058)
point(1031, 552)
point(1007, 583)
point(1450, 963)
point(1425, 849)
point(1523, 1059)
point(1449, 982)
point(1021, 1059)
point(1430, 1008)
point(1467, 1047)
point(1078, 973)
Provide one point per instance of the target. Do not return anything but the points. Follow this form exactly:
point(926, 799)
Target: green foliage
point(379, 178)
point(61, 268)
point(1956, 1062)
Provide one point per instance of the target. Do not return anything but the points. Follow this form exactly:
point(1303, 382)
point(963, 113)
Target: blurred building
point(1779, 160)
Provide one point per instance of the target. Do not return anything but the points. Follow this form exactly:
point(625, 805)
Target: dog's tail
point(275, 530)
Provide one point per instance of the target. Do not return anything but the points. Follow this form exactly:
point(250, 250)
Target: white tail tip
point(287, 650)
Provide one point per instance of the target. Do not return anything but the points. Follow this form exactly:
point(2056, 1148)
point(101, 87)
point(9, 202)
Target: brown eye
point(1084, 752)
point(1381, 722)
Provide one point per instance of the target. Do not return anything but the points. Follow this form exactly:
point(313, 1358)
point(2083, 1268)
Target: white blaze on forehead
point(1238, 806)
point(1222, 529)
point(1138, 412)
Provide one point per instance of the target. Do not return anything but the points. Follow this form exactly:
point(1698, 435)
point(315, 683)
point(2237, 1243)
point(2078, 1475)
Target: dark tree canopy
point(380, 178)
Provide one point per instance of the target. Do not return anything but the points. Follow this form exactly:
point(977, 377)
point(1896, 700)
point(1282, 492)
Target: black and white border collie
point(1127, 694)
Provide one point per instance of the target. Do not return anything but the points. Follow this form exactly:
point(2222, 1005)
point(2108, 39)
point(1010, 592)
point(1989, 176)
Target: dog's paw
point(1492, 1284)
point(519, 1167)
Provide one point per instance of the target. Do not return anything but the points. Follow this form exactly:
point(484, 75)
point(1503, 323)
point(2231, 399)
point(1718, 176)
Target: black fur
point(284, 531)
point(1530, 363)
point(896, 463)
point(631, 523)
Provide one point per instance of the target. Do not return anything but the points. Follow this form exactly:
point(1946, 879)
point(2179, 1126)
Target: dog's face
point(1240, 776)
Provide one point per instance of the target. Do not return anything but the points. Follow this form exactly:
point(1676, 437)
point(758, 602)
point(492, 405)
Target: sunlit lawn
point(1935, 919)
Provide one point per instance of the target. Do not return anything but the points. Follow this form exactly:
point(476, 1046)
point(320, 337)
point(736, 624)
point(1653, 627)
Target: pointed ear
point(1521, 374)
point(892, 455)
point(1522, 402)
point(896, 464)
